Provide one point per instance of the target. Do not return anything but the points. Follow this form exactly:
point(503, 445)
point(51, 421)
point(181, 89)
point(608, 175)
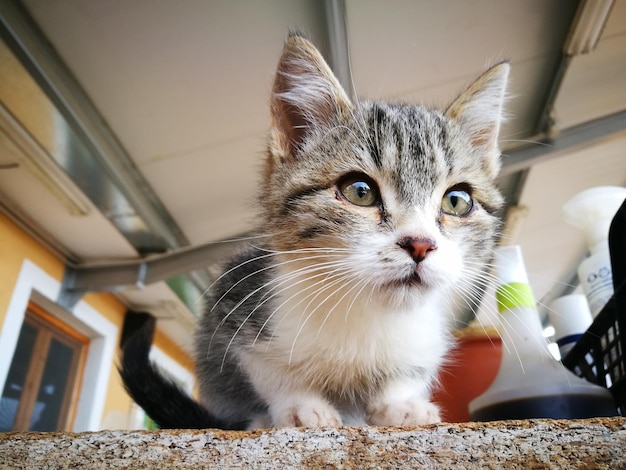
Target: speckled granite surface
point(589, 444)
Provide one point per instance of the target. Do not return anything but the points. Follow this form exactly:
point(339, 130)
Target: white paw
point(309, 412)
point(405, 413)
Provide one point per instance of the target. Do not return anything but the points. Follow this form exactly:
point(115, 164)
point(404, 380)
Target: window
point(41, 389)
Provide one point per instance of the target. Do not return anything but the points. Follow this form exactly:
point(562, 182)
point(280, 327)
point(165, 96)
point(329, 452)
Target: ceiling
point(156, 113)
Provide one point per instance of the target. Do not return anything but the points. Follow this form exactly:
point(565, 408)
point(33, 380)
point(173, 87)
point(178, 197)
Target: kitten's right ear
point(306, 93)
point(480, 110)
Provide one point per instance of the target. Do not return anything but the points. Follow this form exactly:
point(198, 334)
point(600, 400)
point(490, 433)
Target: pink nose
point(418, 248)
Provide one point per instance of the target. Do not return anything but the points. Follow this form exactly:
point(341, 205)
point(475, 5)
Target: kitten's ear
point(480, 110)
point(306, 93)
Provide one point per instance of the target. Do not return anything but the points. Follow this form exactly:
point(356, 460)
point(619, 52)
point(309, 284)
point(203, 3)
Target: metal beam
point(567, 140)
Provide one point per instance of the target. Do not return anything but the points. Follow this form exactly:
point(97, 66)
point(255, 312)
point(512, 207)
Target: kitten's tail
point(162, 399)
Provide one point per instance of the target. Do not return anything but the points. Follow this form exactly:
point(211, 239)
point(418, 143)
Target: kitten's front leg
point(402, 403)
point(288, 404)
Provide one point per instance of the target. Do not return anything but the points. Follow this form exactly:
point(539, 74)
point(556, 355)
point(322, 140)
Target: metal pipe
point(335, 14)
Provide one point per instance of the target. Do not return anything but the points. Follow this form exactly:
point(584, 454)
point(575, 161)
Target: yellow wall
point(117, 402)
point(15, 246)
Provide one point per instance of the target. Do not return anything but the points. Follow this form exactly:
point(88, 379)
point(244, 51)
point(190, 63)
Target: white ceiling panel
point(403, 46)
point(172, 77)
point(595, 84)
point(522, 107)
point(194, 189)
point(615, 24)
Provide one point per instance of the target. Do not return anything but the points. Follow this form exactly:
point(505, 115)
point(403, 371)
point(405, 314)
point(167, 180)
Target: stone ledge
point(590, 444)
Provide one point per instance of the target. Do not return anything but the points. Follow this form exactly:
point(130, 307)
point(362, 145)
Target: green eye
point(457, 202)
point(360, 190)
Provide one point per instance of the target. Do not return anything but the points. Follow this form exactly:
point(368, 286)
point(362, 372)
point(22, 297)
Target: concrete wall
point(537, 444)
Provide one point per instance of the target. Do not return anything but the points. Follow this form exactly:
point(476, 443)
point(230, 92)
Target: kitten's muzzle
point(417, 248)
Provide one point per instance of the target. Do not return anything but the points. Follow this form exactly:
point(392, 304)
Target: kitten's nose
point(418, 248)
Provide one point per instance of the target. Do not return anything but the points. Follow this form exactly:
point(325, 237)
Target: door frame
point(34, 284)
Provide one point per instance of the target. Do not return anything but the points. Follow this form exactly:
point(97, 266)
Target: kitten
point(378, 221)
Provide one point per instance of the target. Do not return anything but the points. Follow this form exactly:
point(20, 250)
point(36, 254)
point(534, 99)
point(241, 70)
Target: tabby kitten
point(378, 221)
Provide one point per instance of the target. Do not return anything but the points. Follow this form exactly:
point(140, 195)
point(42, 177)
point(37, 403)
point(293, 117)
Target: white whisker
point(278, 281)
point(286, 279)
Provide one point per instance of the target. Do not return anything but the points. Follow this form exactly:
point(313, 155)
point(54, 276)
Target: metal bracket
point(69, 296)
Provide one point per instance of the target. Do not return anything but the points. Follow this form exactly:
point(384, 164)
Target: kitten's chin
point(406, 292)
point(419, 280)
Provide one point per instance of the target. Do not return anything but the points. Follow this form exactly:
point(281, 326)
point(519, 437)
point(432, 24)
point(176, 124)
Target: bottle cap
point(569, 315)
point(592, 211)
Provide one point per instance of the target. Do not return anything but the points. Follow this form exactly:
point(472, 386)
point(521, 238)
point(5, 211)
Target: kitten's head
point(395, 198)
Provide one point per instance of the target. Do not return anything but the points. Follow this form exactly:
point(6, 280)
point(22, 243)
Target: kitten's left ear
point(480, 110)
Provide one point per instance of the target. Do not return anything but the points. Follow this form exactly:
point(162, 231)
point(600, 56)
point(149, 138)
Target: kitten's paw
point(309, 412)
point(407, 413)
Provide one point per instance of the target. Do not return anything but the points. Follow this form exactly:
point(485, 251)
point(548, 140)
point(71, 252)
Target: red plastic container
point(472, 367)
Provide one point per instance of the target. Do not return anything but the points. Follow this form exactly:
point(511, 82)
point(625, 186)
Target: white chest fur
point(349, 346)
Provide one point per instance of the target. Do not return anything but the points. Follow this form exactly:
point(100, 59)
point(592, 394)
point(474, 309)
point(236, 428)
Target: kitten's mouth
point(413, 280)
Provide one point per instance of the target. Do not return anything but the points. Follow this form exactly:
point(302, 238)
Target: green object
point(149, 424)
point(186, 291)
point(512, 295)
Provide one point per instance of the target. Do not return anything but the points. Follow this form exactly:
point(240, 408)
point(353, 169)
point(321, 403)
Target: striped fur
point(330, 317)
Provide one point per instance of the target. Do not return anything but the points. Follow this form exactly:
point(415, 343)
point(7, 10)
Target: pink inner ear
point(479, 108)
point(292, 127)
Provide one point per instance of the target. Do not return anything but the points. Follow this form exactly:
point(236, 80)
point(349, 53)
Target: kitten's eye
point(457, 202)
point(359, 189)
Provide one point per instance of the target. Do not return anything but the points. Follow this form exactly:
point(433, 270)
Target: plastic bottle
point(570, 317)
point(530, 383)
point(592, 211)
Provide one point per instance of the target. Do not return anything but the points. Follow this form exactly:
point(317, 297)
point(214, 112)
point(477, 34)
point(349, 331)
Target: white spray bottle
point(592, 212)
point(530, 382)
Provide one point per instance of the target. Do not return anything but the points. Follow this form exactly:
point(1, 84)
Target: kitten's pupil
point(359, 190)
point(457, 202)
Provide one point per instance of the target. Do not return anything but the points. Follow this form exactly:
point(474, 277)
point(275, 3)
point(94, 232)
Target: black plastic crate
point(599, 355)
